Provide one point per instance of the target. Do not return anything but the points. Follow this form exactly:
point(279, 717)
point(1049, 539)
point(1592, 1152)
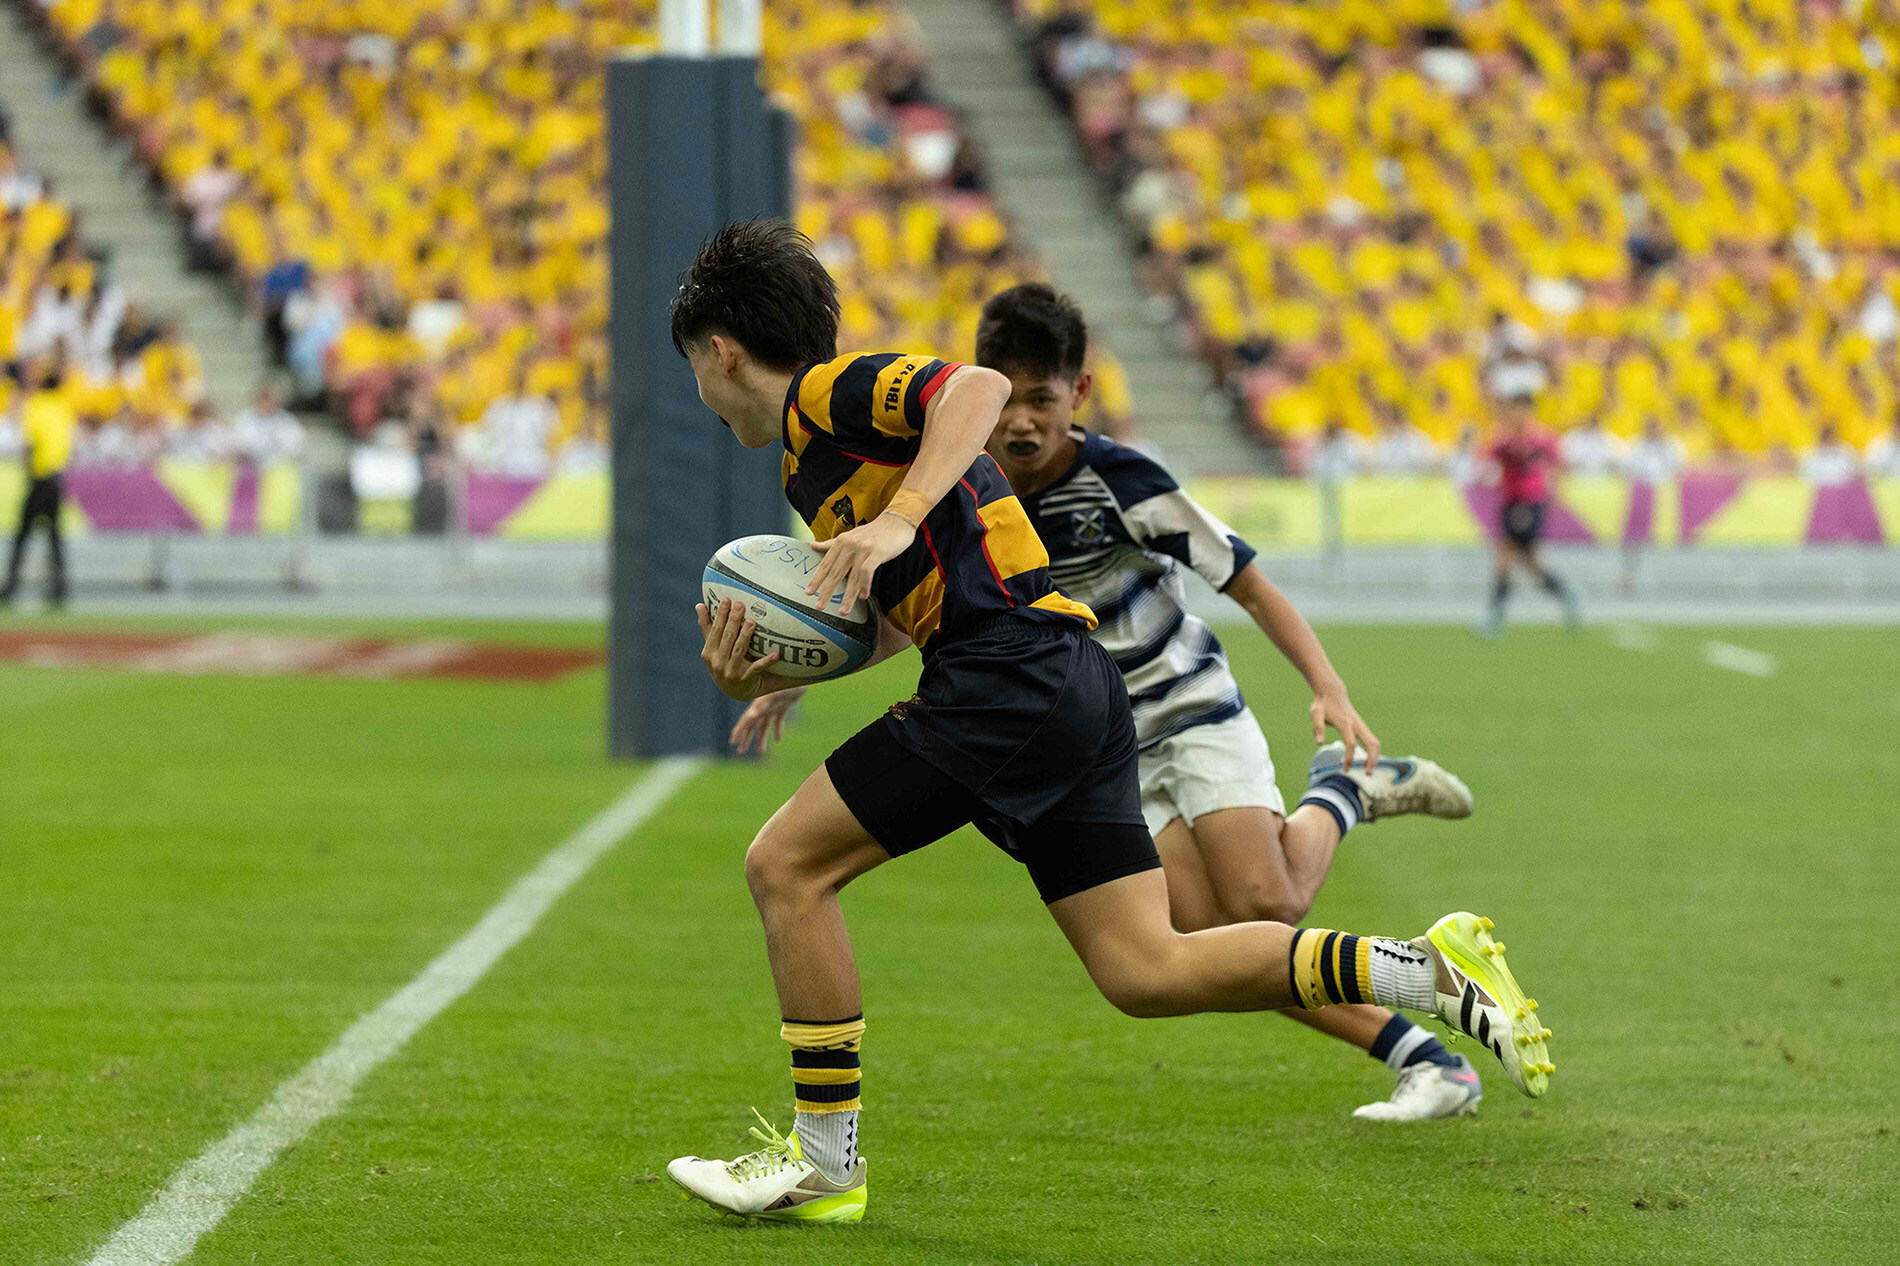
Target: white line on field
point(1632, 637)
point(1740, 659)
point(200, 1194)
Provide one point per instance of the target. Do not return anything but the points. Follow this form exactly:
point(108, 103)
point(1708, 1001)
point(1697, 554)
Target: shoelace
point(774, 1156)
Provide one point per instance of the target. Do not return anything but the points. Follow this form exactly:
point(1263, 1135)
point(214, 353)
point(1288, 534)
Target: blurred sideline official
point(47, 420)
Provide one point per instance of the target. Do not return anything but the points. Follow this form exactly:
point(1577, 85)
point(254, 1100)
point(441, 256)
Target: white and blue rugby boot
point(1427, 1091)
point(1396, 785)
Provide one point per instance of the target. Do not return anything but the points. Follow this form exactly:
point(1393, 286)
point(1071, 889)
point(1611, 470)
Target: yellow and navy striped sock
point(1336, 967)
point(825, 1081)
point(1330, 967)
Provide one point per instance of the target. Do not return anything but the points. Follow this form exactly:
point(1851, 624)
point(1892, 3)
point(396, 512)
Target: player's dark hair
point(1035, 329)
point(758, 282)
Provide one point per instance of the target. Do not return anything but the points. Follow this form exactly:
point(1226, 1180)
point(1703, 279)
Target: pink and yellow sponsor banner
point(1712, 508)
point(174, 497)
point(1701, 508)
point(1269, 513)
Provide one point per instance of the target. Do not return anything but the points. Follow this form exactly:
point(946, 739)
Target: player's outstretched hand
point(765, 717)
point(851, 558)
point(1332, 707)
point(728, 633)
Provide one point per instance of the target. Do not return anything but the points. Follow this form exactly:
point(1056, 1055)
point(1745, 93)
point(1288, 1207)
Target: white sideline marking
point(1740, 659)
point(200, 1194)
point(1632, 637)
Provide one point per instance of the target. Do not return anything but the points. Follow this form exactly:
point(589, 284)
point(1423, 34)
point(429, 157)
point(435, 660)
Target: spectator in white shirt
point(55, 323)
point(1513, 358)
point(202, 438)
point(1590, 449)
point(1883, 455)
point(514, 430)
point(115, 443)
point(1831, 462)
point(434, 322)
point(1656, 457)
point(266, 432)
point(101, 318)
point(1403, 449)
point(204, 194)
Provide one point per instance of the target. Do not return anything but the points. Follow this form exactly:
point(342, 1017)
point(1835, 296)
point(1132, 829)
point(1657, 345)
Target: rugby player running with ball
point(1021, 725)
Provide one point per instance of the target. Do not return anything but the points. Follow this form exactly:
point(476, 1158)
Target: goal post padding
point(693, 145)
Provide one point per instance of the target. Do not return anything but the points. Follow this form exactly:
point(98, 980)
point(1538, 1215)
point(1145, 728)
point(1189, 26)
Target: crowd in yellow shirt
point(450, 154)
point(1681, 210)
point(116, 366)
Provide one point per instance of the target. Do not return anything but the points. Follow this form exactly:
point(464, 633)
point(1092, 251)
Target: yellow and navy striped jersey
point(852, 428)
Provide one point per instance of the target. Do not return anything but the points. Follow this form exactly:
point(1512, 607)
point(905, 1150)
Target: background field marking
point(200, 1194)
point(1740, 659)
point(1632, 637)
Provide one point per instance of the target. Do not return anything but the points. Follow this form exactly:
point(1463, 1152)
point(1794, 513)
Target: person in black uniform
point(1020, 725)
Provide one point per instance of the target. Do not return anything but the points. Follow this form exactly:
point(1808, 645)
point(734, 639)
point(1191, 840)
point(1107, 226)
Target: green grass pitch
point(203, 880)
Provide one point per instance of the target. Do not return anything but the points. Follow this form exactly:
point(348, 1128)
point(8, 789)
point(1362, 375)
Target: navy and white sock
point(1339, 796)
point(1401, 1044)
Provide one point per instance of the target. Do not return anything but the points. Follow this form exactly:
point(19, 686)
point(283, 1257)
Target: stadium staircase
point(1038, 174)
point(57, 137)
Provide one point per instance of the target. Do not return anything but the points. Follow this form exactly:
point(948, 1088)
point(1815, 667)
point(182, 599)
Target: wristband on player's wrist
point(909, 506)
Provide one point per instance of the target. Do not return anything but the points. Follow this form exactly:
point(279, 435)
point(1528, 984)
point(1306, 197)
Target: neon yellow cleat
point(1485, 1000)
point(776, 1183)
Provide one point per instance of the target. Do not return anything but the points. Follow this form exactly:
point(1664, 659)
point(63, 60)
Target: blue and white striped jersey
point(1118, 530)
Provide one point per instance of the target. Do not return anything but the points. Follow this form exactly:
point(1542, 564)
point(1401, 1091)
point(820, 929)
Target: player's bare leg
point(1258, 864)
point(1354, 1025)
point(1432, 1082)
point(809, 850)
point(1191, 855)
point(1123, 934)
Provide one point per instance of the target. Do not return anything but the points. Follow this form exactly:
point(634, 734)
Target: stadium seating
point(1378, 210)
point(129, 377)
point(418, 191)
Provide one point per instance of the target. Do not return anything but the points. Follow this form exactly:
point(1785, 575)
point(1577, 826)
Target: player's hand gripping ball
point(768, 575)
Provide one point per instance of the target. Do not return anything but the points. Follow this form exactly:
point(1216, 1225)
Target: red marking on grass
point(276, 655)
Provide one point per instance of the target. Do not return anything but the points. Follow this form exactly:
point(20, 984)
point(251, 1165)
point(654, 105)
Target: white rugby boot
point(1396, 785)
point(776, 1183)
point(1426, 1091)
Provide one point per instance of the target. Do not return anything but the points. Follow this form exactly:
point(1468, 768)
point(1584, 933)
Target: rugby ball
point(769, 574)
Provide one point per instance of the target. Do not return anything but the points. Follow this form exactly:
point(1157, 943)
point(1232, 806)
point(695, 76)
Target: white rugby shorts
point(1224, 765)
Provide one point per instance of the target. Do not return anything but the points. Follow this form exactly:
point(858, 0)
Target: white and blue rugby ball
point(769, 574)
